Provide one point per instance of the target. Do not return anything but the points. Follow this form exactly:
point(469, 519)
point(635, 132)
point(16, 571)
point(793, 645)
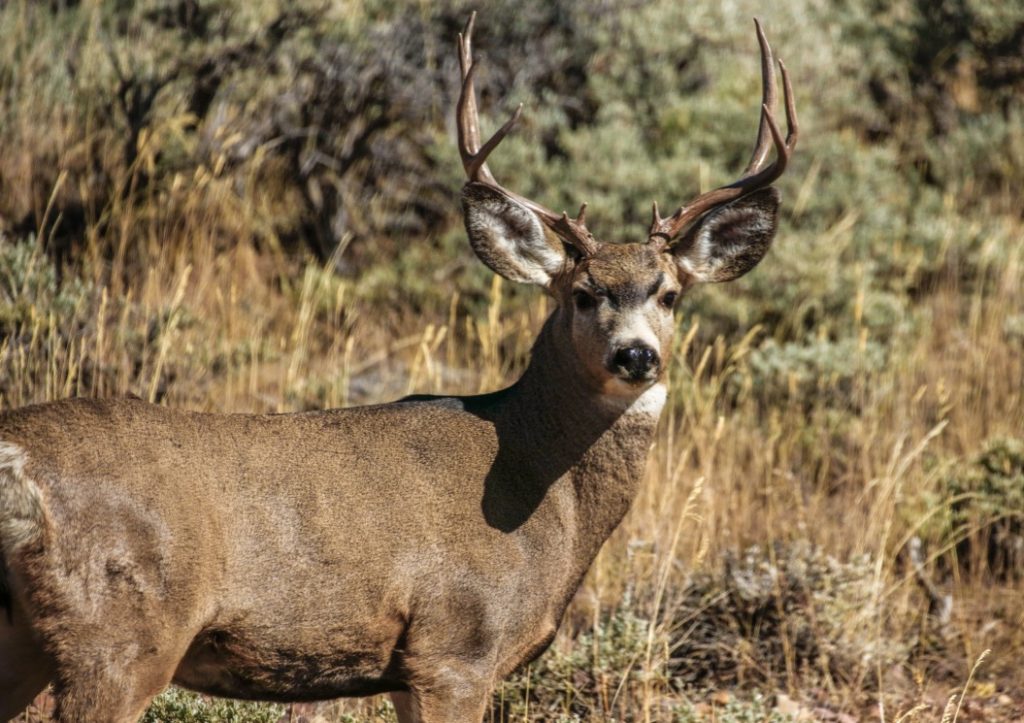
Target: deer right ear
point(508, 237)
point(731, 240)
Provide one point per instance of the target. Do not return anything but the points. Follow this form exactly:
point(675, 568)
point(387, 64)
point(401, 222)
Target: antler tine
point(474, 155)
point(476, 168)
point(468, 120)
point(791, 121)
point(769, 100)
point(755, 176)
point(658, 232)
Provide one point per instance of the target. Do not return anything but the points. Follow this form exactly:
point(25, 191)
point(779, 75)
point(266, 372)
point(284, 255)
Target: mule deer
point(424, 548)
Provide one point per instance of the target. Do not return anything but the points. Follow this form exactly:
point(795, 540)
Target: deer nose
point(636, 361)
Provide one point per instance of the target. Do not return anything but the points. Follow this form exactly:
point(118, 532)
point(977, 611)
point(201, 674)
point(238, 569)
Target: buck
point(423, 548)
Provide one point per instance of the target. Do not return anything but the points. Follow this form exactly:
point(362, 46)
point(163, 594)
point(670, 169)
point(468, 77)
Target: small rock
point(787, 706)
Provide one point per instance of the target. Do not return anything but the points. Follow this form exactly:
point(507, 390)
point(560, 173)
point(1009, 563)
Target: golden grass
point(213, 329)
point(198, 307)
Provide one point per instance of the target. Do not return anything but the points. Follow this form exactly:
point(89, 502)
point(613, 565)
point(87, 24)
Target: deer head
point(615, 301)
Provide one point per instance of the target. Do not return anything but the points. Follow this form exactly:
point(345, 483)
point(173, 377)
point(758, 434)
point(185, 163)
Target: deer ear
point(731, 240)
point(508, 237)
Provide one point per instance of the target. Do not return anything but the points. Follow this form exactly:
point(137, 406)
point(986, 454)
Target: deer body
point(444, 545)
point(424, 548)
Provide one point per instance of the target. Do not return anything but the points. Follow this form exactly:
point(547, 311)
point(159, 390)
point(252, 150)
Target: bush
point(761, 616)
point(179, 706)
point(986, 507)
point(29, 285)
point(819, 370)
point(305, 127)
point(755, 710)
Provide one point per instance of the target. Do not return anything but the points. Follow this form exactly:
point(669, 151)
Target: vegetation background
point(253, 206)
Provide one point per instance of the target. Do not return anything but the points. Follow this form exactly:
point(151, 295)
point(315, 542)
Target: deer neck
point(554, 425)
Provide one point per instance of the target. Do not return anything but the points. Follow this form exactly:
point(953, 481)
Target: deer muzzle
point(637, 362)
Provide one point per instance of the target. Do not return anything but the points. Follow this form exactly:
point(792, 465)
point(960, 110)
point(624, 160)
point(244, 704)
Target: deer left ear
point(731, 240)
point(508, 237)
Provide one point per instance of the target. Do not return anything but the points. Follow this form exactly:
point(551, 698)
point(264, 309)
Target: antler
point(474, 156)
point(755, 175)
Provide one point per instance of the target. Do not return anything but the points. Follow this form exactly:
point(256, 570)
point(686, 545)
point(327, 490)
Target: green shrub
point(824, 371)
point(986, 506)
point(761, 615)
point(29, 286)
point(302, 126)
point(180, 706)
point(755, 710)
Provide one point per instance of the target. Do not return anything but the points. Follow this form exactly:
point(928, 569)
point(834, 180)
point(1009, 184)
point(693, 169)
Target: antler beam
point(755, 175)
point(474, 155)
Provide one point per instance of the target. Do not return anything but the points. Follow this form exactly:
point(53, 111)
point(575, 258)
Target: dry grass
point(212, 330)
point(832, 463)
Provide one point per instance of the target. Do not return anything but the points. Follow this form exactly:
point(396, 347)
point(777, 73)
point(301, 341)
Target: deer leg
point(24, 669)
point(406, 707)
point(108, 700)
point(24, 673)
point(449, 696)
point(446, 696)
point(98, 689)
point(440, 707)
point(466, 705)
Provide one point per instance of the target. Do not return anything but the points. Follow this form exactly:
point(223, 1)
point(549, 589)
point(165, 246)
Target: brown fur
point(426, 547)
point(294, 557)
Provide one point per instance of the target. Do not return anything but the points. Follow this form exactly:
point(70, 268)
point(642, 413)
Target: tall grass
point(826, 413)
point(728, 469)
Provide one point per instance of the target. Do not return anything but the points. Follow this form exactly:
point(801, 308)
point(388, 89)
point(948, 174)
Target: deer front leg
point(405, 706)
point(24, 668)
point(446, 709)
point(446, 688)
point(118, 693)
point(459, 703)
point(101, 701)
point(109, 668)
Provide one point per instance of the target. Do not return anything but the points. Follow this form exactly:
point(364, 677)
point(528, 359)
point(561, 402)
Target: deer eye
point(583, 300)
point(668, 300)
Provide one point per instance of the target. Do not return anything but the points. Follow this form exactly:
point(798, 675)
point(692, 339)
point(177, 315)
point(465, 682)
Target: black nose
point(637, 361)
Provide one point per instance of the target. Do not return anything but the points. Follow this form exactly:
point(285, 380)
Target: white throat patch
point(650, 403)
